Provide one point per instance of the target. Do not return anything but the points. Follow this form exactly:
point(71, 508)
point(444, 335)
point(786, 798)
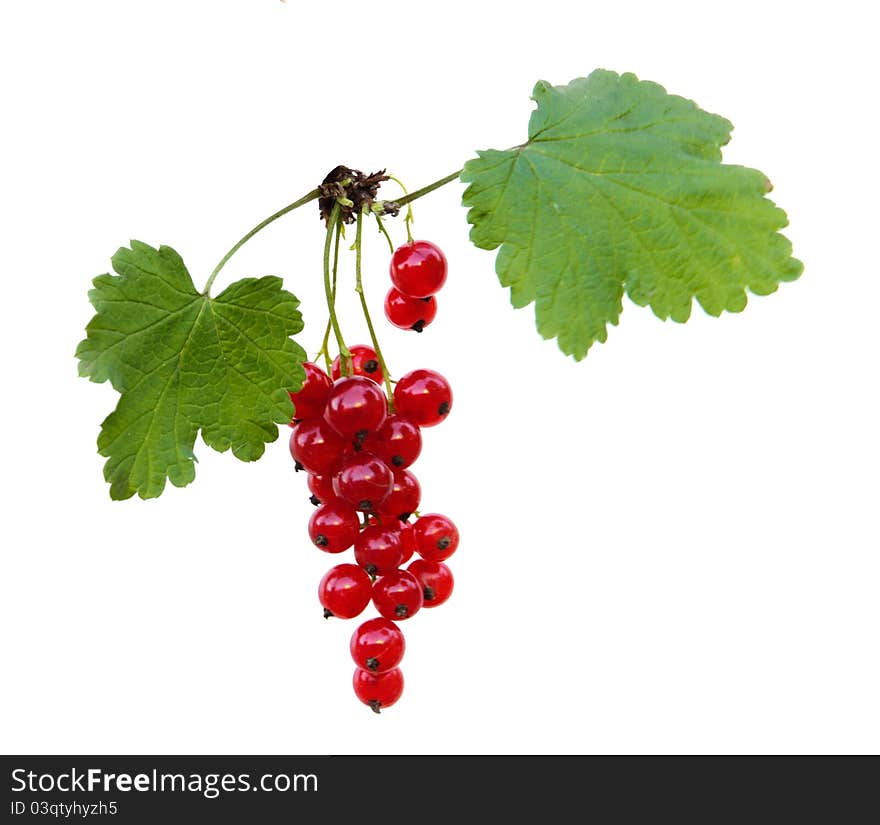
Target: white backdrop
point(670, 547)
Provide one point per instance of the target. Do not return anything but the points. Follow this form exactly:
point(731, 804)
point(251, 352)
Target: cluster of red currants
point(418, 271)
point(357, 452)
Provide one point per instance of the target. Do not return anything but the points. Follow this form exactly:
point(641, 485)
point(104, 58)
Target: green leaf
point(620, 188)
point(184, 362)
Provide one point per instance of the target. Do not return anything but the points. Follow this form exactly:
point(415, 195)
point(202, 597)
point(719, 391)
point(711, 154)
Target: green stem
point(344, 354)
point(359, 288)
point(384, 231)
point(259, 227)
point(325, 351)
point(426, 189)
point(409, 213)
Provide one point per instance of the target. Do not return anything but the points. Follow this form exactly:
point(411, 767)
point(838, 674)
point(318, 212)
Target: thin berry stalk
point(344, 354)
point(309, 196)
point(359, 288)
point(325, 349)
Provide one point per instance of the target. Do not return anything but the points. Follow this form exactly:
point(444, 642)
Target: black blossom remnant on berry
point(372, 664)
point(401, 611)
point(398, 460)
point(298, 467)
point(353, 191)
point(371, 366)
point(375, 705)
point(321, 540)
point(328, 614)
point(443, 544)
point(371, 570)
point(359, 437)
point(315, 500)
point(404, 516)
point(419, 325)
point(428, 593)
point(366, 504)
point(443, 408)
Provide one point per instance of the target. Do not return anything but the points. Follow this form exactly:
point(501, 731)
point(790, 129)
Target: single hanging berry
point(356, 407)
point(436, 537)
point(309, 400)
point(321, 488)
point(315, 446)
point(334, 526)
point(436, 581)
point(418, 269)
point(377, 645)
point(364, 481)
point(398, 595)
point(409, 313)
point(378, 690)
point(364, 362)
point(424, 397)
point(404, 498)
point(378, 550)
point(344, 591)
point(398, 442)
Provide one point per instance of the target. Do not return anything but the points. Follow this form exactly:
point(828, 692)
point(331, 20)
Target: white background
point(670, 547)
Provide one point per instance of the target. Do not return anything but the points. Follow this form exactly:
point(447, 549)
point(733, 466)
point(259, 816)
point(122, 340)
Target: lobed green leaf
point(620, 189)
point(184, 362)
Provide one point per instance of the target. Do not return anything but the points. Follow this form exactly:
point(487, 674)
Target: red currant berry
point(404, 498)
point(424, 397)
point(334, 526)
point(344, 591)
point(309, 400)
point(436, 537)
point(378, 550)
point(377, 646)
point(378, 690)
point(316, 446)
point(409, 313)
point(364, 481)
point(397, 442)
point(364, 361)
point(398, 595)
point(321, 488)
point(356, 407)
point(436, 580)
point(418, 269)
point(407, 541)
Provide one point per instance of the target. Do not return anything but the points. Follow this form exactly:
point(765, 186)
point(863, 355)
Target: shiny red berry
point(364, 361)
point(377, 646)
point(424, 397)
point(316, 446)
point(418, 269)
point(356, 407)
point(404, 498)
point(398, 595)
point(436, 537)
point(334, 526)
point(397, 442)
point(378, 690)
point(378, 550)
point(309, 400)
point(321, 488)
point(344, 591)
point(436, 580)
point(364, 481)
point(409, 313)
